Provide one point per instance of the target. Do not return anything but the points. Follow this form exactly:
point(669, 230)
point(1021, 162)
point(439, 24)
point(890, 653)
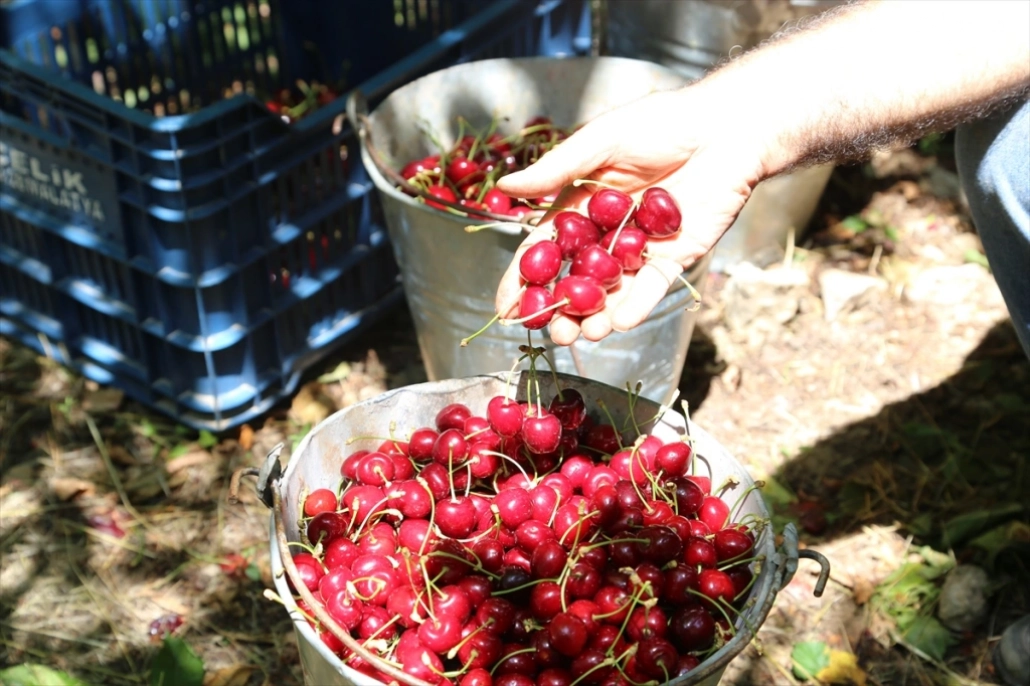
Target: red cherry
point(658, 215)
point(570, 408)
point(700, 552)
point(693, 628)
point(630, 244)
point(327, 527)
point(603, 438)
point(714, 512)
point(451, 448)
point(452, 416)
point(420, 445)
point(584, 582)
point(673, 458)
point(374, 469)
point(688, 496)
point(505, 416)
point(443, 193)
point(514, 506)
point(732, 543)
point(318, 501)
point(573, 232)
point(568, 634)
point(657, 658)
point(595, 262)
point(576, 467)
point(496, 201)
point(534, 304)
point(362, 501)
point(716, 585)
point(541, 433)
point(583, 295)
point(608, 208)
point(340, 552)
point(345, 609)
point(646, 622)
point(462, 171)
point(456, 516)
point(540, 264)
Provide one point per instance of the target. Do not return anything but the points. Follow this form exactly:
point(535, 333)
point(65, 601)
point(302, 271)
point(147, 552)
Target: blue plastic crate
point(202, 260)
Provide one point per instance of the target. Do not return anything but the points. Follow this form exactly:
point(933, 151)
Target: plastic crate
point(202, 260)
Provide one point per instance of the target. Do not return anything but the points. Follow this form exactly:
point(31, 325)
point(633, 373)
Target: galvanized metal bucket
point(450, 276)
point(691, 38)
point(316, 464)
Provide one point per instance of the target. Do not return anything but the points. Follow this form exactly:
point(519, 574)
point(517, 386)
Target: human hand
point(663, 139)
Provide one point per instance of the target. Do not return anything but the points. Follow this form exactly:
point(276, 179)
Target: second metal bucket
point(450, 276)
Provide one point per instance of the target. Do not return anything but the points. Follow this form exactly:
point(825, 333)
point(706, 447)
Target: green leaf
point(176, 665)
point(854, 223)
point(976, 257)
point(776, 494)
point(178, 450)
point(958, 530)
point(36, 675)
point(891, 233)
point(341, 372)
point(252, 572)
point(929, 636)
point(207, 439)
point(809, 658)
point(146, 427)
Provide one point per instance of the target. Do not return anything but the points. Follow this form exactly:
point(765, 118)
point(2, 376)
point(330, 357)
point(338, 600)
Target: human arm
point(870, 75)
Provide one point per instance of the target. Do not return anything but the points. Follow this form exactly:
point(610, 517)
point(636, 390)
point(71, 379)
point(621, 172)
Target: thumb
point(576, 157)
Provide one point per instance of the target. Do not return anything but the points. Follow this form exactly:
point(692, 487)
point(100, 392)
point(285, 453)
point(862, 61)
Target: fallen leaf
point(68, 488)
point(929, 635)
point(308, 407)
point(809, 658)
point(237, 675)
point(176, 663)
point(121, 455)
point(341, 372)
point(190, 459)
point(863, 591)
point(246, 439)
point(843, 669)
point(35, 675)
point(102, 400)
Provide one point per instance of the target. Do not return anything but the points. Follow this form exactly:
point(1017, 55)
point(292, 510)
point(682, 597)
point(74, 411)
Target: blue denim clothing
point(993, 157)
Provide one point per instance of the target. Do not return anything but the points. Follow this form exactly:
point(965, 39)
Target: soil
point(892, 422)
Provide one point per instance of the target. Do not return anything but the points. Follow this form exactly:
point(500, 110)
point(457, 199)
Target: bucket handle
point(790, 554)
point(357, 113)
point(268, 492)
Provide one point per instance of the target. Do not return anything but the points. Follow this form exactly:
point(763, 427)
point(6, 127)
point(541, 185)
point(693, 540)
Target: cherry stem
point(478, 566)
point(523, 320)
point(513, 461)
point(432, 514)
point(738, 560)
point(507, 655)
point(514, 589)
point(369, 516)
point(310, 549)
point(740, 499)
point(579, 182)
point(693, 293)
point(611, 420)
point(631, 402)
point(475, 228)
point(620, 227)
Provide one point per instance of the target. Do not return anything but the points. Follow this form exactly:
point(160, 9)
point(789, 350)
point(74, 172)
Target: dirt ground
point(869, 375)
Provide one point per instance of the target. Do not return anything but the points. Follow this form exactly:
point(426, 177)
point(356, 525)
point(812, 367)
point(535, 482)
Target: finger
point(575, 158)
point(596, 326)
point(564, 330)
point(649, 286)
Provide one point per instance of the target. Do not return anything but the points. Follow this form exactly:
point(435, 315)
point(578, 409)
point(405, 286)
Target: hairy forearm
point(875, 74)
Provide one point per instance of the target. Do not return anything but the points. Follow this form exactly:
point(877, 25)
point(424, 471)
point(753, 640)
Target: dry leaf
point(237, 675)
point(863, 591)
point(309, 406)
point(102, 400)
point(843, 670)
point(67, 488)
point(190, 459)
point(121, 455)
point(246, 439)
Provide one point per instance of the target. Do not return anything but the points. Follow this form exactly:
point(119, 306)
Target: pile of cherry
point(588, 254)
point(294, 104)
point(466, 173)
point(531, 544)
